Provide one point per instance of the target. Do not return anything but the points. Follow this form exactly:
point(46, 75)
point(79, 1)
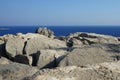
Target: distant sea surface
point(63, 30)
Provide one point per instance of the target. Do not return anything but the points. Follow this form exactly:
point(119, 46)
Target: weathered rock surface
point(14, 46)
point(6, 37)
point(91, 38)
point(97, 53)
point(30, 44)
point(104, 71)
point(36, 44)
point(4, 61)
point(48, 58)
point(28, 36)
point(45, 31)
point(16, 71)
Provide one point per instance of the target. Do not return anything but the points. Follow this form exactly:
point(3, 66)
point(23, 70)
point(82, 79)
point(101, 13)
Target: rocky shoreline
point(44, 56)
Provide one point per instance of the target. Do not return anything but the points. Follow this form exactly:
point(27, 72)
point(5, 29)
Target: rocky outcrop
point(96, 53)
point(81, 38)
point(23, 46)
point(78, 56)
point(104, 71)
point(47, 48)
point(45, 31)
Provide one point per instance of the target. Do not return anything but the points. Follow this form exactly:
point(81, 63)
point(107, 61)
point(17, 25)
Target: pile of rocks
point(35, 56)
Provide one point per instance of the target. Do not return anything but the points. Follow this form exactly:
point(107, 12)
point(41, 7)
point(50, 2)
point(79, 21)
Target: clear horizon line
point(59, 25)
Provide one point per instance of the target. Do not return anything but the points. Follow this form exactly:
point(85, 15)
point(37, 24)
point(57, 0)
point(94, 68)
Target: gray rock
point(92, 38)
point(92, 54)
point(14, 46)
point(4, 61)
point(23, 59)
point(35, 44)
point(47, 58)
point(45, 31)
point(1, 78)
point(38, 43)
point(6, 37)
point(104, 71)
point(16, 71)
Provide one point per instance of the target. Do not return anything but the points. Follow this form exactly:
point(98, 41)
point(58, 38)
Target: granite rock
point(38, 43)
point(96, 53)
point(48, 58)
point(14, 46)
point(45, 31)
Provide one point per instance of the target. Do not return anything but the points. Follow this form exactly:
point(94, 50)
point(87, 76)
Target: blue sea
point(64, 30)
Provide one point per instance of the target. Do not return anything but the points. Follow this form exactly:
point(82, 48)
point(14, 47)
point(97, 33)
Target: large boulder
point(15, 71)
point(104, 71)
point(45, 31)
point(38, 43)
point(48, 58)
point(14, 46)
point(97, 53)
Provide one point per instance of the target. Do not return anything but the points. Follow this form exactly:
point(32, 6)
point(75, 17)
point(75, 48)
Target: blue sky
point(59, 12)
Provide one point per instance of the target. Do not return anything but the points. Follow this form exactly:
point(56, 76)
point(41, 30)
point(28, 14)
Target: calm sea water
point(65, 30)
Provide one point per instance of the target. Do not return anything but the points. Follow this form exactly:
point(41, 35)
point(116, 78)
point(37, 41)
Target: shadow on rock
point(35, 58)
